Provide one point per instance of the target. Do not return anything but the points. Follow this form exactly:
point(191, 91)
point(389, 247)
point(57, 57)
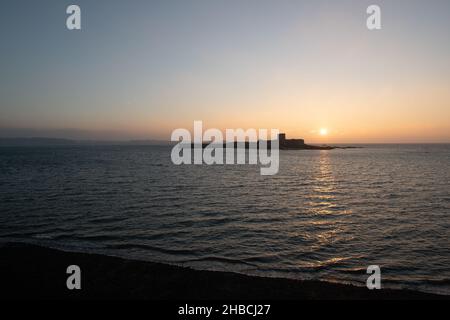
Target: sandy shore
point(40, 273)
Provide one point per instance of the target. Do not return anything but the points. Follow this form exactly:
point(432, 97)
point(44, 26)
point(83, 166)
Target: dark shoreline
point(33, 272)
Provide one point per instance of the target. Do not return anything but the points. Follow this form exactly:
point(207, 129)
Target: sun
point(323, 131)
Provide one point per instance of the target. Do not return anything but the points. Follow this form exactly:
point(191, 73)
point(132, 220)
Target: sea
point(327, 215)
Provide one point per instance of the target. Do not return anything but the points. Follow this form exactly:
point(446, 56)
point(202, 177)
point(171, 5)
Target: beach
point(34, 272)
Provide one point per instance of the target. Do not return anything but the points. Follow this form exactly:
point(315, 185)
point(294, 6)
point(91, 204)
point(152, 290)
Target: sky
point(140, 69)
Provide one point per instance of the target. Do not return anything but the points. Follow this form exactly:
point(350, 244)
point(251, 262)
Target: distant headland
point(284, 144)
point(298, 144)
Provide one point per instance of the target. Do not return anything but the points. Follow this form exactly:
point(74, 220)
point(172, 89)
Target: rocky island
point(284, 144)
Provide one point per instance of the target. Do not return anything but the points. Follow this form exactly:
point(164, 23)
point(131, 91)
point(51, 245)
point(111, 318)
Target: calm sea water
point(327, 214)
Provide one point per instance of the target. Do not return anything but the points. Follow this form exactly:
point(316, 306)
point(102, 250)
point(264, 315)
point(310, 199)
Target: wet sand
point(34, 272)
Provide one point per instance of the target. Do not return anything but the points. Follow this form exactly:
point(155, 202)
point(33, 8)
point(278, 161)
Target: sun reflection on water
point(324, 190)
point(326, 208)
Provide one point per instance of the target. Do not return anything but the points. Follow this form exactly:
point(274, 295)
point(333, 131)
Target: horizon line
point(152, 141)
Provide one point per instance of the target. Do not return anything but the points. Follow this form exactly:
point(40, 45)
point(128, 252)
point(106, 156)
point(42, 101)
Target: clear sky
point(139, 69)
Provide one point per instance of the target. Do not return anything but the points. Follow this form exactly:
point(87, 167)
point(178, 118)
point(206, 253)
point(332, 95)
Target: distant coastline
point(248, 145)
point(283, 144)
point(47, 141)
point(32, 271)
point(44, 141)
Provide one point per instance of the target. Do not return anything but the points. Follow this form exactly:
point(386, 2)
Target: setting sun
point(323, 131)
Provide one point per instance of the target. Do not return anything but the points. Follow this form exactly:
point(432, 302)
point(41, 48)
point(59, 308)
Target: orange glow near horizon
point(312, 71)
